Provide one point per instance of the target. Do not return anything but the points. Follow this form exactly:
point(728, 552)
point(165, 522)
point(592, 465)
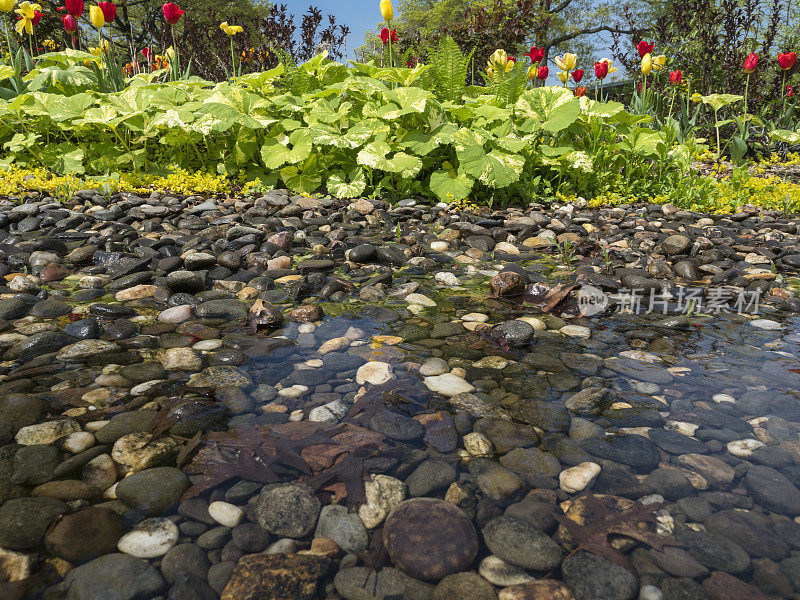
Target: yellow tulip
point(499, 61)
point(170, 53)
point(659, 62)
point(697, 97)
point(610, 62)
point(568, 62)
point(7, 6)
point(387, 11)
point(27, 13)
point(647, 64)
point(96, 17)
point(230, 29)
point(533, 72)
point(563, 76)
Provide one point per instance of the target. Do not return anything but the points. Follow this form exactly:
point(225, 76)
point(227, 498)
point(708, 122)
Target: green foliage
point(348, 130)
point(450, 67)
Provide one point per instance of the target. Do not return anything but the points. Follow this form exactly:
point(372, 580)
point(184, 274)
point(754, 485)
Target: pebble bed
point(140, 333)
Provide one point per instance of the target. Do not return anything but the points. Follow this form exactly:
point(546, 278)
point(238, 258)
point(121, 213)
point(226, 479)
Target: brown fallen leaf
point(631, 522)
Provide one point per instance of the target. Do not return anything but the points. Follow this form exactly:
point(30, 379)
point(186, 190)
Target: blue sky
point(359, 15)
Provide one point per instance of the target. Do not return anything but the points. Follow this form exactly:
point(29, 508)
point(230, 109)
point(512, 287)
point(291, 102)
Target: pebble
point(150, 538)
point(447, 384)
point(225, 513)
point(578, 478)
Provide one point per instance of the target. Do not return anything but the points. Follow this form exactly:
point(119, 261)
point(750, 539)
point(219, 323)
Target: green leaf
point(451, 186)
point(305, 179)
point(496, 169)
point(350, 184)
point(557, 108)
point(717, 101)
point(275, 152)
point(785, 135)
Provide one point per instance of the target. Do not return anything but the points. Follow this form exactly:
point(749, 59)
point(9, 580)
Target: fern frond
point(450, 67)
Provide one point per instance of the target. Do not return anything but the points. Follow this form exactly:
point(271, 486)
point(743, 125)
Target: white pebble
point(78, 442)
point(720, 398)
point(651, 592)
point(766, 324)
point(446, 278)
point(150, 538)
point(744, 448)
point(306, 328)
point(176, 314)
point(447, 384)
point(475, 318)
point(374, 372)
point(142, 388)
point(576, 331)
point(207, 345)
point(225, 513)
point(579, 477)
point(420, 299)
point(440, 246)
point(433, 366)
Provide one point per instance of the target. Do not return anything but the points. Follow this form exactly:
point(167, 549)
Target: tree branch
point(572, 36)
point(560, 7)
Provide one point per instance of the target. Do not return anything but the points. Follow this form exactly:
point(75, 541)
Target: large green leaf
point(497, 169)
point(347, 184)
point(451, 186)
point(276, 152)
point(557, 108)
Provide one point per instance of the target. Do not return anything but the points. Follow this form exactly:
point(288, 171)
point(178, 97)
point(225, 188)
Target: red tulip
point(147, 52)
point(511, 59)
point(644, 48)
point(600, 69)
point(37, 16)
point(543, 72)
point(750, 63)
point(786, 61)
point(580, 91)
point(70, 24)
point(386, 35)
point(675, 77)
point(790, 91)
point(577, 75)
point(109, 10)
point(74, 7)
point(172, 12)
point(536, 54)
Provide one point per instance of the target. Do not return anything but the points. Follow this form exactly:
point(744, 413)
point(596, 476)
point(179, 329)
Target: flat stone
point(275, 576)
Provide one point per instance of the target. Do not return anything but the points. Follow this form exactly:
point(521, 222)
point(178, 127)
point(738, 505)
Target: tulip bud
point(659, 62)
point(96, 17)
point(70, 24)
point(109, 10)
point(750, 63)
point(647, 64)
point(577, 75)
point(580, 91)
point(74, 7)
point(675, 77)
point(600, 69)
point(563, 76)
point(786, 60)
point(387, 11)
point(543, 72)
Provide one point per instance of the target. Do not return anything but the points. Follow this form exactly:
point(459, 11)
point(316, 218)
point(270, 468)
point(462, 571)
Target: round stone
point(151, 538)
point(519, 543)
point(464, 585)
point(579, 477)
point(376, 373)
point(86, 534)
point(429, 539)
point(287, 509)
point(225, 513)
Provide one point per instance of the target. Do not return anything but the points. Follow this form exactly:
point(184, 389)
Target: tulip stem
point(672, 104)
point(783, 95)
point(391, 56)
point(644, 94)
point(746, 91)
point(233, 60)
